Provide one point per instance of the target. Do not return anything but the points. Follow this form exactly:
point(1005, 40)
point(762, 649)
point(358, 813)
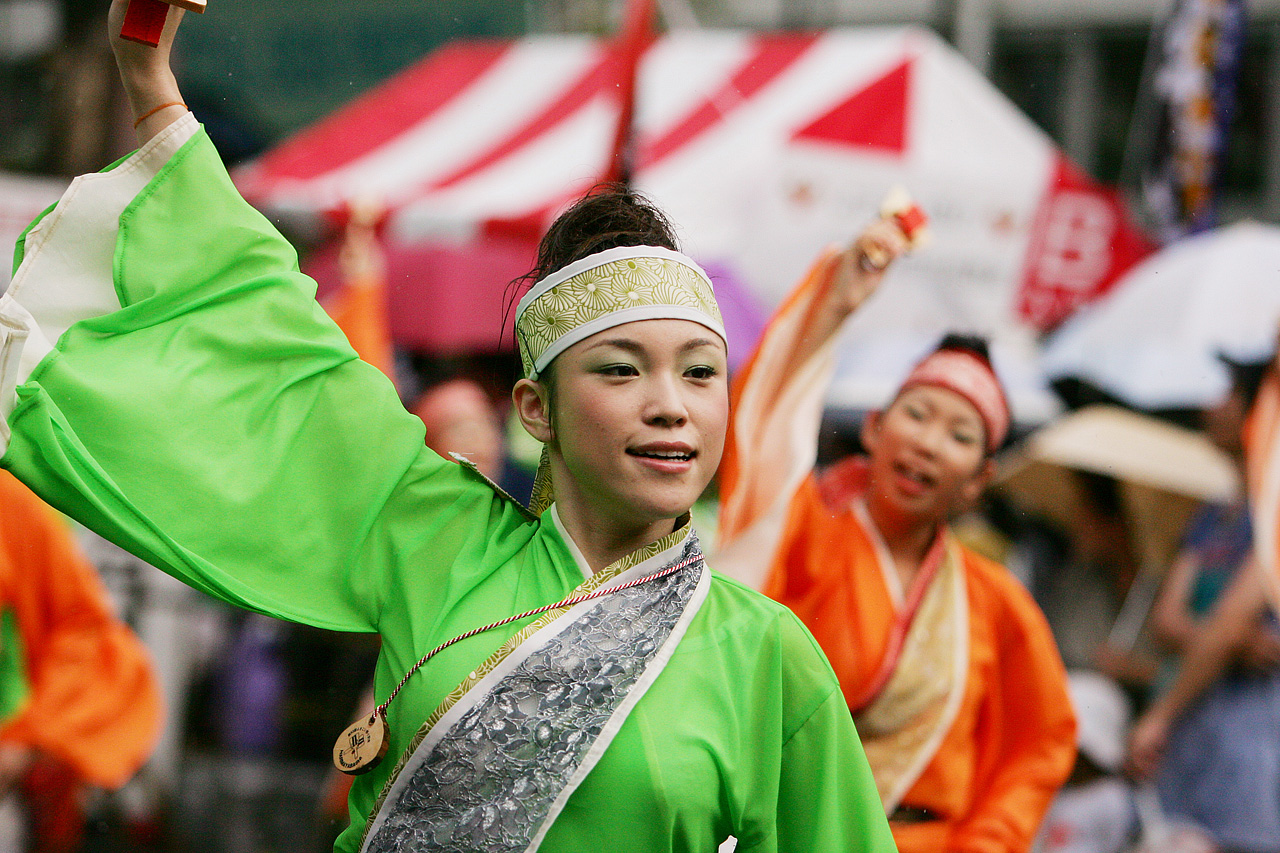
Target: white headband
point(607, 289)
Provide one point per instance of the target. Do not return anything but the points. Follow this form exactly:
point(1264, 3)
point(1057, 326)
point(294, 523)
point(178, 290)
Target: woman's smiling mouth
point(664, 455)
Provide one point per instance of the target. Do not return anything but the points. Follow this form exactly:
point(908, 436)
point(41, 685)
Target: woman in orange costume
point(951, 673)
point(76, 685)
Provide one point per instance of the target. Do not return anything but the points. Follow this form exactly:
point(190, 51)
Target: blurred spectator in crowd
point(1095, 812)
point(1083, 599)
point(461, 418)
point(1219, 538)
point(79, 705)
point(1212, 739)
point(185, 631)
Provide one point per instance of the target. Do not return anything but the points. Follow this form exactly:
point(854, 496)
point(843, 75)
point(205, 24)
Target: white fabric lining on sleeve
point(66, 274)
point(15, 330)
point(777, 441)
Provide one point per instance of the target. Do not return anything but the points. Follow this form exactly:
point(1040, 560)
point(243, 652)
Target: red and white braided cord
point(566, 602)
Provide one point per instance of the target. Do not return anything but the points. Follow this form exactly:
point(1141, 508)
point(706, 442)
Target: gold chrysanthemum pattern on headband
point(602, 290)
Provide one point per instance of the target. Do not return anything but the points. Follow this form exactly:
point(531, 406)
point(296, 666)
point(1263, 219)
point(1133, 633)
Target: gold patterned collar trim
point(591, 584)
point(683, 529)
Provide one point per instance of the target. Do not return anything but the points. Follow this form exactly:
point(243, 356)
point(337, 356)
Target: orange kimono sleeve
point(826, 571)
point(92, 697)
point(772, 442)
point(1026, 735)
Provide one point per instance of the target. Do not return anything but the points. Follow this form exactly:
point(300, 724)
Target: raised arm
point(168, 378)
point(777, 399)
point(146, 74)
point(1224, 634)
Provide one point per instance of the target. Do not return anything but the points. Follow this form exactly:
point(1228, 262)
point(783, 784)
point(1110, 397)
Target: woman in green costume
point(167, 377)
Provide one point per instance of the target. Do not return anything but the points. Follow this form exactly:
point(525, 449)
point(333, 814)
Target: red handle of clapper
point(911, 220)
point(144, 21)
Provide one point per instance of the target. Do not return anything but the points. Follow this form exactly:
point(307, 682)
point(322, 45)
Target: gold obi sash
point(903, 726)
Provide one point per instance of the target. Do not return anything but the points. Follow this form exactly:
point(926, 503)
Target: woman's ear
point(533, 407)
point(870, 432)
point(978, 483)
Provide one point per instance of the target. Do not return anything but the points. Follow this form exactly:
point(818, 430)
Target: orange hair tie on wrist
point(149, 113)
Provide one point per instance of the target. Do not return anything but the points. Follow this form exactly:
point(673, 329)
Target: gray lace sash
point(497, 777)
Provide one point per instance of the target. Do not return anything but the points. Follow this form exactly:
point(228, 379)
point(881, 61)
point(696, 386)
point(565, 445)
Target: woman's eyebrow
point(627, 344)
point(966, 422)
point(635, 347)
point(696, 343)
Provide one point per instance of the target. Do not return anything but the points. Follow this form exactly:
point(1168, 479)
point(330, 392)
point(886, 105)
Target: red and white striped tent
point(761, 147)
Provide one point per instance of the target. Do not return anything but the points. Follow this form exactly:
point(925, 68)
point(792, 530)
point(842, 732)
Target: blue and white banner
point(1198, 53)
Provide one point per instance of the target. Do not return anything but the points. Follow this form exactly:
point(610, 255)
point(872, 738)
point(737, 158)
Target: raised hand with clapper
point(144, 19)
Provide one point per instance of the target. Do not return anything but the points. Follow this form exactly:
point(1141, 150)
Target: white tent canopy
point(763, 148)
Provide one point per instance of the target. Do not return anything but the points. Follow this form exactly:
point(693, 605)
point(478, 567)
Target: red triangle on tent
point(873, 117)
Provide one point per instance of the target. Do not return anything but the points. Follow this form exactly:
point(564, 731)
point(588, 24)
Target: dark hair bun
point(1246, 376)
point(610, 215)
point(972, 344)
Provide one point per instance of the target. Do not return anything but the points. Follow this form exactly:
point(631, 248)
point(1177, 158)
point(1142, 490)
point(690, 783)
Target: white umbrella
point(1153, 340)
point(1165, 471)
point(1131, 447)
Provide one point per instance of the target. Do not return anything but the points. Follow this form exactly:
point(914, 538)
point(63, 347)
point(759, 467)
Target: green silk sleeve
point(217, 423)
point(816, 794)
point(827, 798)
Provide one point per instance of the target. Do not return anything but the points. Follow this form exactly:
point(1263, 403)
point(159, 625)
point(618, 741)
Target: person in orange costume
point(949, 668)
point(76, 685)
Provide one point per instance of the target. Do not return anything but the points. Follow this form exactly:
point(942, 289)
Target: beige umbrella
point(1165, 472)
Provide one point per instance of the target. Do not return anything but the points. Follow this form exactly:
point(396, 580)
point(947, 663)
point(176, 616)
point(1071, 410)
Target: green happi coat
point(168, 379)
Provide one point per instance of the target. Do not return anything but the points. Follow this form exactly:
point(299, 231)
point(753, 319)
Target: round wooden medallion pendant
point(361, 747)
